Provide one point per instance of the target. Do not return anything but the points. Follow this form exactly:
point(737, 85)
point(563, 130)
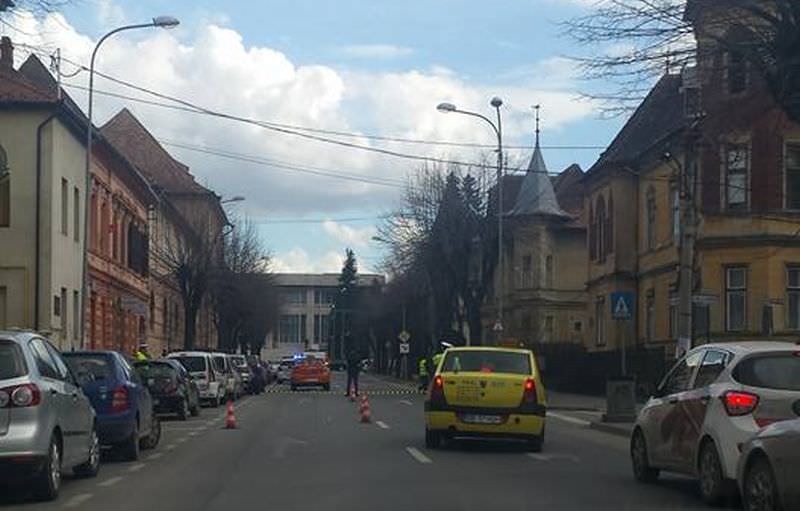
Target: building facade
point(42, 189)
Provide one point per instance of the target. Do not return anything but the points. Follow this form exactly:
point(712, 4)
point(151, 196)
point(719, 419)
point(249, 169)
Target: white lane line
point(110, 482)
point(155, 456)
point(553, 457)
point(406, 402)
point(171, 447)
point(539, 457)
point(181, 440)
point(567, 418)
point(193, 433)
point(417, 455)
point(382, 424)
point(137, 467)
point(77, 500)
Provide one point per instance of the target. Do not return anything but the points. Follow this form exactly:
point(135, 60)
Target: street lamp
point(166, 22)
point(237, 198)
point(497, 127)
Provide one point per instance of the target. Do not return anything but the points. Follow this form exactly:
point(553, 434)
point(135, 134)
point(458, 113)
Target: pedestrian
point(353, 368)
point(141, 354)
point(423, 373)
point(164, 353)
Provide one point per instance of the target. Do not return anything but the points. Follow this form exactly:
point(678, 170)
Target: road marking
point(193, 433)
point(110, 482)
point(382, 424)
point(539, 457)
point(567, 418)
point(77, 500)
point(405, 402)
point(417, 455)
point(552, 457)
point(155, 456)
point(137, 467)
point(171, 447)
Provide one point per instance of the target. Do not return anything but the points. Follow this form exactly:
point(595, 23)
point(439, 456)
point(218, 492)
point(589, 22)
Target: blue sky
point(376, 67)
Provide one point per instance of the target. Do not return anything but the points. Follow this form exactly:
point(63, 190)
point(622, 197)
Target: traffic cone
point(366, 413)
point(230, 418)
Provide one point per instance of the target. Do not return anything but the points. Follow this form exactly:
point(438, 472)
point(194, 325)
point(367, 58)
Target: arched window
point(5, 190)
point(592, 242)
point(104, 223)
point(610, 225)
point(650, 205)
point(600, 228)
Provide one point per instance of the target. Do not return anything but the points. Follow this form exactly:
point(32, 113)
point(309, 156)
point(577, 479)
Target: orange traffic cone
point(230, 418)
point(366, 413)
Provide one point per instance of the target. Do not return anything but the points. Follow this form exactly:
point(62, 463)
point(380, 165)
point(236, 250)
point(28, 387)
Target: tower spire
point(536, 109)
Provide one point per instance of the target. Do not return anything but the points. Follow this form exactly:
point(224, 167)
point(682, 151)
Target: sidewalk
point(591, 409)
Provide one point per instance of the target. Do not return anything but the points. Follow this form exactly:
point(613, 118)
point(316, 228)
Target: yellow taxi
point(486, 392)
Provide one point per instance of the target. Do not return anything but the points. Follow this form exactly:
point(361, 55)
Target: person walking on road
point(423, 373)
point(353, 368)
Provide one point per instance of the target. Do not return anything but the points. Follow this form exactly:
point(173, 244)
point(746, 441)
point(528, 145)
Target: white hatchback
point(709, 405)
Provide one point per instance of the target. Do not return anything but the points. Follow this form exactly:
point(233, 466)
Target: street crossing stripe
point(382, 424)
point(417, 455)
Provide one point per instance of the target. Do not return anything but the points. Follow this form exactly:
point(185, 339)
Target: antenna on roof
point(55, 67)
point(536, 109)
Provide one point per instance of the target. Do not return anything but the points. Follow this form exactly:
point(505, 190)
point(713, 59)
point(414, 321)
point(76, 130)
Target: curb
point(610, 429)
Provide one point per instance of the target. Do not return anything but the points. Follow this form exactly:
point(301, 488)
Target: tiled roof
point(15, 87)
point(134, 141)
point(657, 117)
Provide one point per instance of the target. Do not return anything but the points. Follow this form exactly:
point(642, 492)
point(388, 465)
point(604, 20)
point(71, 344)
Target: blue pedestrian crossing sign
point(622, 305)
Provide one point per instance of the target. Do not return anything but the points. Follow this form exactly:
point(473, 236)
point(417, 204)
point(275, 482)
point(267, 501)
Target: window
point(676, 213)
point(324, 296)
point(64, 314)
point(56, 305)
point(64, 205)
point(609, 232)
point(735, 298)
point(736, 170)
point(61, 366)
point(103, 233)
point(44, 362)
point(793, 176)
point(549, 328)
point(780, 371)
point(292, 328)
point(76, 214)
point(736, 72)
point(548, 271)
point(5, 190)
point(93, 222)
point(600, 229)
point(681, 375)
point(650, 315)
point(673, 315)
point(713, 364)
point(321, 328)
point(76, 314)
point(600, 321)
point(592, 237)
point(294, 296)
point(793, 298)
point(651, 219)
point(527, 271)
point(114, 230)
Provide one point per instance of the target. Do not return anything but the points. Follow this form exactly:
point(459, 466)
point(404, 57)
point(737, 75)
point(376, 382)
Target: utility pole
point(688, 223)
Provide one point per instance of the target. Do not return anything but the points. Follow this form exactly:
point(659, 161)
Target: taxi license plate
point(481, 419)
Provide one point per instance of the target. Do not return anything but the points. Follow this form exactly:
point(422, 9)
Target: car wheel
point(712, 481)
point(130, 448)
point(48, 481)
point(151, 441)
point(760, 490)
point(91, 466)
point(183, 411)
point(642, 471)
point(433, 439)
point(195, 410)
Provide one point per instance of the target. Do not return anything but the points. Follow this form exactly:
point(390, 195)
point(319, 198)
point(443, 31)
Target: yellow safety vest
point(423, 367)
point(140, 356)
point(436, 359)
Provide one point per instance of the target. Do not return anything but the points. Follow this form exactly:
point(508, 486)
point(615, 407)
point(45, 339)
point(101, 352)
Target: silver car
point(769, 469)
point(46, 422)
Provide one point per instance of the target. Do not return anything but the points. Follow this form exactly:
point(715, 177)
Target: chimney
point(6, 53)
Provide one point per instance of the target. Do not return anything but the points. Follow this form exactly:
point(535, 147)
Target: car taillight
point(119, 399)
point(20, 396)
point(529, 394)
point(739, 403)
point(437, 390)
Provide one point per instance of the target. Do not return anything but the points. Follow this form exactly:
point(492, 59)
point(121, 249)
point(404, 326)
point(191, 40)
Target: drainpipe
point(37, 223)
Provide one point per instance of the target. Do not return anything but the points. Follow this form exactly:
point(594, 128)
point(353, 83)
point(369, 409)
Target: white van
point(210, 382)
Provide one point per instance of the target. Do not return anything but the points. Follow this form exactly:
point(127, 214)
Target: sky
point(361, 67)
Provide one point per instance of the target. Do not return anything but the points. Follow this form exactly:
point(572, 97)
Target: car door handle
point(53, 392)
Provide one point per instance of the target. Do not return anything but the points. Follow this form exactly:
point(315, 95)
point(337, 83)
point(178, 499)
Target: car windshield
point(219, 363)
point(193, 364)
point(775, 371)
point(12, 361)
point(239, 361)
point(155, 370)
point(99, 366)
point(487, 361)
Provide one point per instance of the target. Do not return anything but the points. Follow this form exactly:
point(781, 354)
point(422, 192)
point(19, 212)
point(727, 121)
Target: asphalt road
point(306, 450)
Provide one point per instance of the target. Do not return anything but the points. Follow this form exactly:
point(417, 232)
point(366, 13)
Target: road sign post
point(622, 310)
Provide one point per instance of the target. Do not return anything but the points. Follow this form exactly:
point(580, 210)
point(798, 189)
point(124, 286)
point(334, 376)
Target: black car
point(172, 389)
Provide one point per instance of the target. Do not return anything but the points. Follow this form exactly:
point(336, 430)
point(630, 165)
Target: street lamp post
point(497, 127)
point(237, 198)
point(159, 22)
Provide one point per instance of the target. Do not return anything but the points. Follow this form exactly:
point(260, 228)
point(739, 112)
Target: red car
point(311, 372)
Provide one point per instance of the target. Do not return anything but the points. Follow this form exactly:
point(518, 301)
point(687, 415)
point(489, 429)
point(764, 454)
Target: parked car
point(311, 372)
point(486, 392)
point(233, 381)
point(711, 403)
point(285, 369)
point(123, 405)
point(172, 389)
point(203, 372)
point(40, 400)
point(239, 363)
point(769, 468)
point(272, 368)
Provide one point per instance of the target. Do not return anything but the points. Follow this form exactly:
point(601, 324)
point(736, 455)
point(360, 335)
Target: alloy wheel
point(759, 492)
point(55, 466)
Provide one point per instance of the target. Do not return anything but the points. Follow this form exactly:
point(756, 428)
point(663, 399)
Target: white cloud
point(349, 236)
point(375, 51)
point(297, 260)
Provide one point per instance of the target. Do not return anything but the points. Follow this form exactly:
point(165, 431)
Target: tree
point(345, 301)
point(631, 42)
